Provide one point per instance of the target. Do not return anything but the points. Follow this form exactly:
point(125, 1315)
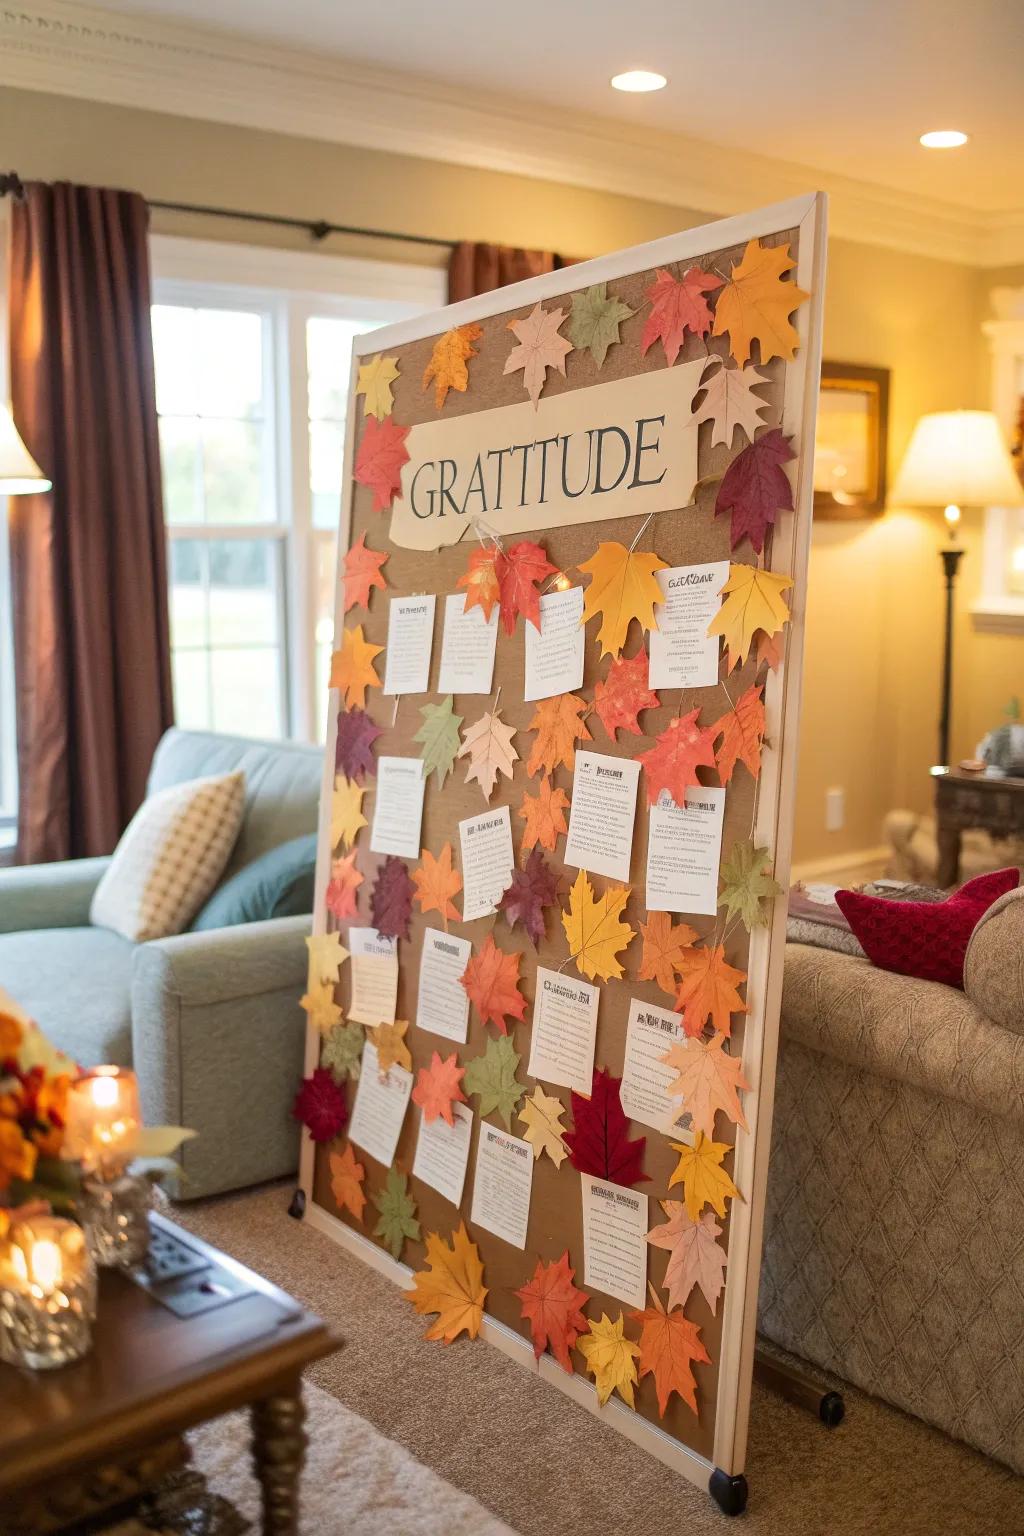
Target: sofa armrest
point(49, 895)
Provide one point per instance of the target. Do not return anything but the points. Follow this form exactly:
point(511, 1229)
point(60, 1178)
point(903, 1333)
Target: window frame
point(8, 716)
point(997, 609)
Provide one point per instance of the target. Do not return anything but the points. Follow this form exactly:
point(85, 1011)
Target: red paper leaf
point(755, 487)
point(525, 564)
point(491, 980)
point(599, 1141)
point(362, 574)
point(553, 1306)
point(619, 697)
point(320, 1105)
point(742, 732)
point(340, 897)
point(391, 901)
point(353, 747)
point(672, 763)
point(379, 460)
point(677, 307)
point(530, 891)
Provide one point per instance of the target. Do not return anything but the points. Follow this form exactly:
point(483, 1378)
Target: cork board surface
point(678, 537)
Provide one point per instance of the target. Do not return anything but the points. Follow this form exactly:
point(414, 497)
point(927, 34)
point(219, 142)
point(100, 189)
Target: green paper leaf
point(397, 1213)
point(747, 885)
point(492, 1077)
point(595, 320)
point(342, 1051)
point(439, 734)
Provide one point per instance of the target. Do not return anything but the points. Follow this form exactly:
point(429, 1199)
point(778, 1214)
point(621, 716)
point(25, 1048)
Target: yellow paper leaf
point(448, 361)
point(375, 380)
point(321, 1009)
point(704, 1180)
point(347, 817)
point(595, 930)
point(753, 602)
point(756, 303)
point(352, 667)
point(542, 1116)
point(622, 587)
point(611, 1358)
point(389, 1040)
point(452, 1286)
point(327, 954)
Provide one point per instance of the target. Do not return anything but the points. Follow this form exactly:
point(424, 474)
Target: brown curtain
point(477, 268)
point(88, 561)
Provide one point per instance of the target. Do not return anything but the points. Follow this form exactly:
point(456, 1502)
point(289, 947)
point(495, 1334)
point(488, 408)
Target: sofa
point(209, 1020)
point(894, 1227)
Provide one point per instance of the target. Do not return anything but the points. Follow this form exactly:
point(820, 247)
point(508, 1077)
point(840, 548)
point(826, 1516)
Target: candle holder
point(115, 1214)
point(104, 1123)
point(47, 1294)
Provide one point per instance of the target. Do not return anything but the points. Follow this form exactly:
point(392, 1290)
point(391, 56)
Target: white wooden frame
point(773, 825)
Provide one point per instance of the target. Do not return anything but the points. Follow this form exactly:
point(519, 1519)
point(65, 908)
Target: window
point(1000, 604)
point(8, 744)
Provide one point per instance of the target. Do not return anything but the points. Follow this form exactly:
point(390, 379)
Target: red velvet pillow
point(927, 939)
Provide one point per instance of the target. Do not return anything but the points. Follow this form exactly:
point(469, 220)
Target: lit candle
point(47, 1293)
point(102, 1119)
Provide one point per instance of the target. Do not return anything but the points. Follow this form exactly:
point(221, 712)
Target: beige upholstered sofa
point(894, 1236)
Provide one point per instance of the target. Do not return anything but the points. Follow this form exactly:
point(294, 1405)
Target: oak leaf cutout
point(340, 897)
point(529, 892)
point(491, 982)
point(451, 1285)
point(619, 697)
point(753, 602)
point(729, 403)
point(362, 574)
point(488, 745)
point(707, 990)
point(327, 955)
point(492, 1079)
point(748, 885)
point(599, 1141)
point(700, 1172)
point(708, 1081)
point(540, 347)
point(517, 575)
point(353, 744)
point(665, 947)
point(397, 1213)
point(391, 899)
point(437, 1088)
point(352, 667)
point(542, 1116)
point(558, 726)
point(480, 580)
point(595, 320)
point(544, 815)
point(389, 1042)
point(756, 303)
point(595, 930)
point(755, 488)
point(553, 1305)
point(379, 460)
point(374, 382)
point(347, 817)
point(696, 1258)
point(436, 883)
point(319, 1005)
point(669, 1345)
point(672, 763)
point(740, 735)
point(622, 587)
point(677, 306)
point(342, 1051)
point(448, 366)
point(439, 738)
point(611, 1358)
point(347, 1177)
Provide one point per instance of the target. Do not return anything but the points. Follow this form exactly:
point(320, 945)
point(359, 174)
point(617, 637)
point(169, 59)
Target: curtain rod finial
point(11, 183)
point(320, 230)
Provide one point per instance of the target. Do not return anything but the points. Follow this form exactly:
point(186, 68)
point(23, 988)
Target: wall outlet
point(835, 809)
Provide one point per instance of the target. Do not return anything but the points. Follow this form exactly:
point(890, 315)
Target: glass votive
point(102, 1120)
point(47, 1293)
point(115, 1215)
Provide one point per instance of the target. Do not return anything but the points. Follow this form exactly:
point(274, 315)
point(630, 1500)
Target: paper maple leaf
point(769, 651)
point(708, 1081)
point(340, 897)
point(622, 587)
point(700, 1172)
point(320, 1105)
point(342, 1051)
point(595, 930)
point(439, 737)
point(595, 320)
point(352, 667)
point(517, 574)
point(747, 885)
point(672, 763)
point(599, 1140)
point(389, 1043)
point(327, 955)
point(753, 601)
point(756, 303)
point(437, 1088)
point(619, 697)
point(544, 815)
point(448, 361)
point(353, 745)
point(397, 1213)
point(611, 1358)
point(362, 574)
point(729, 403)
point(391, 900)
point(436, 883)
point(491, 982)
point(529, 892)
point(553, 1306)
point(346, 812)
point(379, 460)
point(559, 726)
point(540, 348)
point(677, 306)
point(375, 380)
point(492, 1079)
point(707, 990)
point(480, 580)
point(696, 1258)
point(451, 1285)
point(542, 1116)
point(347, 1177)
point(755, 488)
point(488, 745)
point(320, 1008)
point(669, 1345)
point(665, 947)
point(741, 734)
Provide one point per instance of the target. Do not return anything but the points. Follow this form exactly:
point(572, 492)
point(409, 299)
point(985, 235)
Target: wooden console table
point(972, 802)
point(95, 1435)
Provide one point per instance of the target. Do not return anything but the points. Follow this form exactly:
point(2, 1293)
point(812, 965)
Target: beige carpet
point(487, 1428)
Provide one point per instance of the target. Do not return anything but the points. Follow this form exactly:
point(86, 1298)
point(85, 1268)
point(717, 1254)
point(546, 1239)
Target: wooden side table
point(972, 801)
point(196, 1344)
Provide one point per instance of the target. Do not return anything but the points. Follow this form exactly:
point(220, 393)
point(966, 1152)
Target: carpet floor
point(422, 1440)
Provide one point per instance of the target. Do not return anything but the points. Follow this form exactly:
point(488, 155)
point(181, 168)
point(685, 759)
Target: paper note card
point(684, 848)
point(374, 972)
point(554, 653)
point(442, 1152)
point(603, 811)
point(410, 641)
point(487, 861)
point(380, 1107)
point(564, 1030)
point(650, 1031)
point(682, 654)
point(398, 807)
point(615, 1240)
point(443, 1003)
point(502, 1185)
point(467, 647)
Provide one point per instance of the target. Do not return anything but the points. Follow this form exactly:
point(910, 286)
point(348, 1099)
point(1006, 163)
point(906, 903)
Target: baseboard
point(858, 864)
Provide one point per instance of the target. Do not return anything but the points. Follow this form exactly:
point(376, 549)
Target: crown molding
point(66, 48)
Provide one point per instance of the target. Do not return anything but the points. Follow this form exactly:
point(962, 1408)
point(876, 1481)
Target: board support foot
point(297, 1208)
point(799, 1388)
point(729, 1491)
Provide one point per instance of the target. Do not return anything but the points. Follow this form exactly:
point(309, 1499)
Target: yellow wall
point(874, 606)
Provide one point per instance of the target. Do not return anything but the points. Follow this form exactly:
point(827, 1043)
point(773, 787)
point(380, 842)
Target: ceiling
point(842, 86)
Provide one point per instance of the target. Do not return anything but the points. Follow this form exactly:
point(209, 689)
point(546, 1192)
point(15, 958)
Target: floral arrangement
point(34, 1080)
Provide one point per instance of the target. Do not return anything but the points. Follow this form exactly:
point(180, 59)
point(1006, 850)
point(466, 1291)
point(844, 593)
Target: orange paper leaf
point(741, 732)
point(452, 1286)
point(553, 1306)
point(518, 573)
point(491, 980)
point(341, 888)
point(480, 580)
point(669, 1345)
point(756, 303)
point(437, 1088)
point(544, 815)
point(362, 574)
point(677, 306)
point(708, 1081)
point(672, 763)
point(437, 882)
point(346, 1181)
point(619, 697)
point(449, 359)
point(379, 460)
point(665, 948)
point(707, 990)
point(559, 727)
point(352, 667)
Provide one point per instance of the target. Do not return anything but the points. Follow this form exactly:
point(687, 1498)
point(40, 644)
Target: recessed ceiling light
point(943, 138)
point(639, 80)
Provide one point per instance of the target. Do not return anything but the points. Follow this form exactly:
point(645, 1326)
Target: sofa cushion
point(994, 966)
point(76, 984)
point(279, 884)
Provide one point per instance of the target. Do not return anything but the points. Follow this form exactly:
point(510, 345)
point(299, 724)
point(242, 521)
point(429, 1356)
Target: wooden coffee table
point(95, 1435)
point(966, 801)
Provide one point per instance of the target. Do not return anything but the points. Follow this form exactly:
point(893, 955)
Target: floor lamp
point(20, 475)
point(956, 459)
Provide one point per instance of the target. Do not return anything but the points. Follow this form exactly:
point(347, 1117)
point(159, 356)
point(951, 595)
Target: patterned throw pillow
point(171, 856)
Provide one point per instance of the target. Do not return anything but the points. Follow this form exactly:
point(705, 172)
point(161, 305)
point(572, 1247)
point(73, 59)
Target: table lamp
point(956, 459)
point(20, 475)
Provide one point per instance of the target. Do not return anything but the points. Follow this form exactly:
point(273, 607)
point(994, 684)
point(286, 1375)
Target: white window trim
point(8, 734)
point(996, 610)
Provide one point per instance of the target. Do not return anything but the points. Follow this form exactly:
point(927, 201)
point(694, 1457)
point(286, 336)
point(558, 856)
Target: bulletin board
point(662, 343)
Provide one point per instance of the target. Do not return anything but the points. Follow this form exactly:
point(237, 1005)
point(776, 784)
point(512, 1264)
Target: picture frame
point(851, 442)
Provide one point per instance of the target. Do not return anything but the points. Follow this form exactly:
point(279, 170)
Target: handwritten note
point(442, 1006)
point(379, 1108)
point(615, 1240)
point(682, 654)
point(684, 849)
point(373, 968)
point(554, 653)
point(564, 1030)
point(410, 641)
point(467, 647)
point(398, 807)
point(502, 1185)
point(603, 811)
point(442, 1152)
point(650, 1031)
point(487, 861)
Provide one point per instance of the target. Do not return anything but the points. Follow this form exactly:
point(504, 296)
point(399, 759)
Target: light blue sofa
point(209, 1020)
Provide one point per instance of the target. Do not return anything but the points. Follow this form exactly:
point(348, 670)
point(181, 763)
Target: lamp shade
point(957, 457)
point(20, 475)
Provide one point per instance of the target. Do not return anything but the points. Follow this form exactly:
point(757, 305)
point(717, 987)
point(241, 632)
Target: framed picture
point(850, 443)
